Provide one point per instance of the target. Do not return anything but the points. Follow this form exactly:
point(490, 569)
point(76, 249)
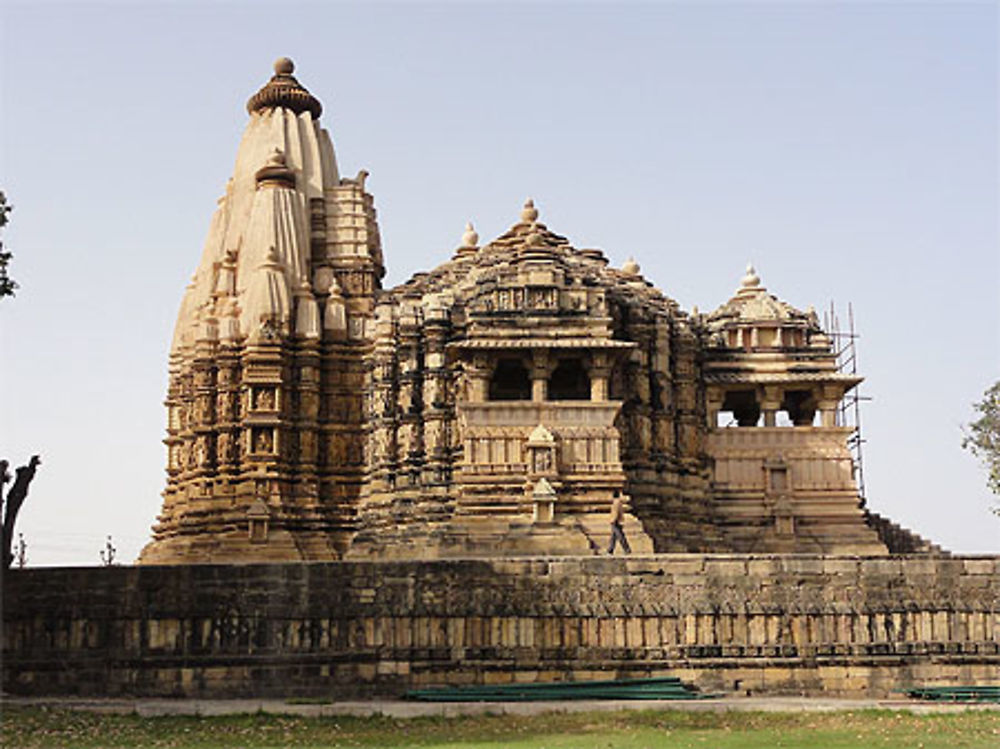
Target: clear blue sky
point(848, 149)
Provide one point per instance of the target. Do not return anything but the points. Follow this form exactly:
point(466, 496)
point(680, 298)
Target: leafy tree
point(982, 437)
point(7, 284)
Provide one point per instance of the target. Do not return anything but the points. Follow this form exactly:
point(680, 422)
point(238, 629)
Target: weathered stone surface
point(775, 625)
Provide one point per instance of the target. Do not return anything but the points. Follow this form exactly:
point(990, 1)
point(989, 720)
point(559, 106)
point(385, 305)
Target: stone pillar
point(827, 405)
point(828, 413)
point(600, 371)
point(479, 379)
point(770, 403)
point(713, 405)
point(435, 397)
point(541, 368)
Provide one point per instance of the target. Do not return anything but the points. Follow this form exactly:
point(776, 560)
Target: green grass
point(38, 727)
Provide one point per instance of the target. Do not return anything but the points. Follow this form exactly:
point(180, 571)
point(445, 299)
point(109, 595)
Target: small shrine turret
point(763, 356)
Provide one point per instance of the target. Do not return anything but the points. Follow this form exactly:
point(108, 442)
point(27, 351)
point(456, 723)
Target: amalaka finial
point(529, 214)
point(630, 267)
point(470, 238)
point(284, 91)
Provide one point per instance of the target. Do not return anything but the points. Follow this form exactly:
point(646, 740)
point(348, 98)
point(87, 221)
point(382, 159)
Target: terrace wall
point(764, 624)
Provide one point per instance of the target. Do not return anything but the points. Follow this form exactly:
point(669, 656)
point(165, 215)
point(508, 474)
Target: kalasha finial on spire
point(529, 214)
point(751, 279)
point(470, 238)
point(470, 242)
point(283, 90)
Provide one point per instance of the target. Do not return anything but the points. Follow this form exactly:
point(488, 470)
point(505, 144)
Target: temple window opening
point(510, 381)
point(744, 406)
point(800, 406)
point(569, 382)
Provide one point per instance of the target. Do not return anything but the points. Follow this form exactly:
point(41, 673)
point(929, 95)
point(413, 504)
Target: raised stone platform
point(793, 624)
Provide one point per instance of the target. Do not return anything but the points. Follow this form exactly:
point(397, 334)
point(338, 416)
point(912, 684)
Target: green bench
point(661, 688)
point(965, 694)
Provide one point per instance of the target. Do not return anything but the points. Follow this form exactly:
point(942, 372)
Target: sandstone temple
point(493, 406)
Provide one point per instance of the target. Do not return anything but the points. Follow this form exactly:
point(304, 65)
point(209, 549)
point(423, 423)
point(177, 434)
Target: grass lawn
point(36, 727)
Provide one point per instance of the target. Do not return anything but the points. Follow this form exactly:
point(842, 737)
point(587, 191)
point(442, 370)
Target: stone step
point(901, 540)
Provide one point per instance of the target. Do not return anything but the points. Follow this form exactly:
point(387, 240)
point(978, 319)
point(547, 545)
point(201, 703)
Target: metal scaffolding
point(849, 410)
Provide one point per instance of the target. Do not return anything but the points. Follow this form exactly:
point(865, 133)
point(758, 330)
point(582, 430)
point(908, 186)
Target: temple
point(496, 405)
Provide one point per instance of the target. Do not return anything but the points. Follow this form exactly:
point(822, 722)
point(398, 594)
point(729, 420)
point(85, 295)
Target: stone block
point(889, 567)
point(980, 566)
point(498, 677)
point(764, 567)
point(795, 565)
point(686, 567)
point(726, 568)
point(840, 566)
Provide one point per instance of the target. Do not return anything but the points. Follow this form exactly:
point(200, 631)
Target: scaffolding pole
point(849, 410)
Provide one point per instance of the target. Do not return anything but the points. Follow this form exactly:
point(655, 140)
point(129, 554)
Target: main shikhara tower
point(267, 367)
point(496, 405)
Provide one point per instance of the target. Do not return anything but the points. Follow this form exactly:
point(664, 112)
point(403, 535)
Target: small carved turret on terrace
point(764, 356)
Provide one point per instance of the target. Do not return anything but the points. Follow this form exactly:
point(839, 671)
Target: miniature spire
point(543, 488)
point(267, 304)
point(323, 280)
point(273, 259)
point(307, 322)
point(283, 90)
point(276, 171)
point(541, 435)
point(529, 214)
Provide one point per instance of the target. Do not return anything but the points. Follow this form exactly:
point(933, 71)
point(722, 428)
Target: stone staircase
point(900, 540)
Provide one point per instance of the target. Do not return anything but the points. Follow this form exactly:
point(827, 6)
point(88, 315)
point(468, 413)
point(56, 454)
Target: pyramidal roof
point(753, 303)
point(527, 242)
point(529, 234)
